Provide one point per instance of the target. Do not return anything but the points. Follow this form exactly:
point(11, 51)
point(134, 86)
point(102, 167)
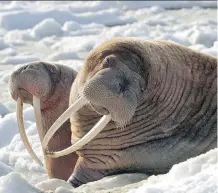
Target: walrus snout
point(111, 89)
point(18, 92)
point(24, 95)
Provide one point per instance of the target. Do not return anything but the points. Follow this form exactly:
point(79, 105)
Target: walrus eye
point(52, 70)
point(106, 62)
point(109, 61)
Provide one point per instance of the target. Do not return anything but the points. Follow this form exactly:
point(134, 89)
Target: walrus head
point(112, 85)
point(114, 89)
point(42, 85)
point(41, 88)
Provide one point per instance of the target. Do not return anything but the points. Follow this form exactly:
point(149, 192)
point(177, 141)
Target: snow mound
point(47, 27)
point(71, 26)
point(13, 182)
point(8, 52)
point(9, 127)
point(18, 37)
point(202, 36)
point(19, 59)
point(53, 184)
point(196, 175)
point(3, 45)
point(3, 111)
point(14, 20)
point(4, 169)
point(62, 56)
point(166, 4)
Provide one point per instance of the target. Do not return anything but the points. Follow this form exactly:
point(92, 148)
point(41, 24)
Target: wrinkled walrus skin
point(162, 98)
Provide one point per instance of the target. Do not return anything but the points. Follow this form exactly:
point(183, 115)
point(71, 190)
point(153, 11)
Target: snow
point(13, 182)
point(4, 169)
point(71, 26)
point(3, 45)
point(8, 52)
point(65, 33)
point(46, 28)
point(3, 110)
point(62, 56)
point(196, 175)
point(19, 59)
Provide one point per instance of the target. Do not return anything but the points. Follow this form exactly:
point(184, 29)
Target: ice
point(3, 45)
point(4, 169)
point(62, 56)
point(3, 111)
point(65, 33)
point(46, 28)
point(53, 184)
point(14, 20)
point(14, 183)
point(8, 52)
point(19, 59)
point(196, 175)
point(166, 4)
point(203, 36)
point(71, 26)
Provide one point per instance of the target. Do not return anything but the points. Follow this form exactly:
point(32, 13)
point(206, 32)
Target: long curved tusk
point(88, 137)
point(23, 132)
point(56, 125)
point(37, 113)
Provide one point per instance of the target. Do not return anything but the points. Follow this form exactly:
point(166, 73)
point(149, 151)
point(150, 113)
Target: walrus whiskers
point(23, 131)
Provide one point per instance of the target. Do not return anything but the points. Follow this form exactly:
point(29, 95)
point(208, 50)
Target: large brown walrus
point(51, 83)
point(159, 104)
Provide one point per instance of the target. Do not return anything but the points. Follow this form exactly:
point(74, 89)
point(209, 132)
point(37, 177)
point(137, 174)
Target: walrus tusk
point(23, 132)
point(88, 137)
point(37, 113)
point(72, 109)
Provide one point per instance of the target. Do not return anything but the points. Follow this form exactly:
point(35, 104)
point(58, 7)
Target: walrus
point(154, 103)
point(51, 84)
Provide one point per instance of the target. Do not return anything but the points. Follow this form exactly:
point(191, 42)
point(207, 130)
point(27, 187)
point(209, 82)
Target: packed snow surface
point(64, 32)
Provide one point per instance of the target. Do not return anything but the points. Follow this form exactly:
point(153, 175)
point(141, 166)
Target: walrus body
point(162, 98)
point(51, 84)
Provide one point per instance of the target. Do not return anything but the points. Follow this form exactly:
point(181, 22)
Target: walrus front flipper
point(82, 174)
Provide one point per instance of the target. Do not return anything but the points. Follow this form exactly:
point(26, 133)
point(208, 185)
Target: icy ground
point(65, 32)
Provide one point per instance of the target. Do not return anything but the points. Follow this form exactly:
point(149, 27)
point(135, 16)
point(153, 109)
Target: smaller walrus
point(159, 99)
point(51, 84)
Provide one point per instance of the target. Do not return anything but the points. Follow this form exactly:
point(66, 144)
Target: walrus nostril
point(121, 88)
point(25, 67)
point(122, 85)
